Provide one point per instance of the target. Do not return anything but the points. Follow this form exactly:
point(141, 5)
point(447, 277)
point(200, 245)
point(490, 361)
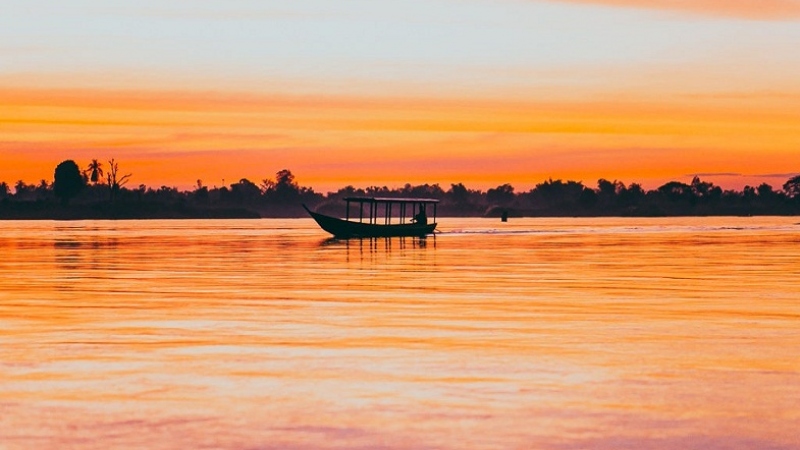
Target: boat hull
point(347, 229)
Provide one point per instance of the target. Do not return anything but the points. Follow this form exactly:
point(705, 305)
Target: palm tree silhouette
point(95, 170)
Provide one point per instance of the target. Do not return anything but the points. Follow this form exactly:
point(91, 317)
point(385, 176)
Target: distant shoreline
point(105, 212)
point(108, 212)
point(79, 198)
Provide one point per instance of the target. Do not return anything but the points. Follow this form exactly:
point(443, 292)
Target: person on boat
point(421, 218)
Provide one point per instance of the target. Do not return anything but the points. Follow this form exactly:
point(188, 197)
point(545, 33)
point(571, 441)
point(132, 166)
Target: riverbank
point(105, 211)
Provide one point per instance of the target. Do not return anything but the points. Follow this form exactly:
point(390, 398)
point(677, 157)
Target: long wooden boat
point(377, 222)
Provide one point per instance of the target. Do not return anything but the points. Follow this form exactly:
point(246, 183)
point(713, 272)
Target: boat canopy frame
point(388, 202)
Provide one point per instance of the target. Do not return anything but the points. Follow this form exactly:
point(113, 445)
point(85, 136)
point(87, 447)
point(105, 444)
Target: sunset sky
point(374, 92)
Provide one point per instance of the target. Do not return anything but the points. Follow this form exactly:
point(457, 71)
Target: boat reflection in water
point(385, 245)
point(377, 222)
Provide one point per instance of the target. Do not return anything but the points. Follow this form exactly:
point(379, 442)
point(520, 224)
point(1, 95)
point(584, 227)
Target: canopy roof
point(390, 200)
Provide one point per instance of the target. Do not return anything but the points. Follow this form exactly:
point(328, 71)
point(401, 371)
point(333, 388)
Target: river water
point(536, 333)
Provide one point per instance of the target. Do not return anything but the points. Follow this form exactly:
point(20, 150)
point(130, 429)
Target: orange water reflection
point(559, 333)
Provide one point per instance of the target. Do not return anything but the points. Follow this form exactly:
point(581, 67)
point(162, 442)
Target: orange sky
point(175, 138)
point(381, 94)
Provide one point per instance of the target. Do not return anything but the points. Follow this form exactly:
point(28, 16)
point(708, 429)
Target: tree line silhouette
point(100, 191)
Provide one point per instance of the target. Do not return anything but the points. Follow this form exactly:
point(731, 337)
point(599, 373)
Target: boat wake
point(495, 232)
point(609, 230)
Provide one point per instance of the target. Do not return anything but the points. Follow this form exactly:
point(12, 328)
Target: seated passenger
point(421, 217)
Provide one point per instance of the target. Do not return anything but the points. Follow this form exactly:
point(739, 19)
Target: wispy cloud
point(778, 175)
point(781, 175)
point(715, 174)
point(742, 9)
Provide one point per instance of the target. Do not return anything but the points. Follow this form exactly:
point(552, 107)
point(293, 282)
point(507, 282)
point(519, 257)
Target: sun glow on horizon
point(176, 138)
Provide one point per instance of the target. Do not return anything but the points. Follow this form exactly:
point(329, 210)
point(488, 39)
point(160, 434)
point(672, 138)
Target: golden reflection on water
point(538, 333)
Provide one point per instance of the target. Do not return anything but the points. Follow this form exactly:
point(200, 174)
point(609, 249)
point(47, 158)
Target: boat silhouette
point(373, 224)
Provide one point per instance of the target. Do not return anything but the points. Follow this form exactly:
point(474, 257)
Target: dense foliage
point(91, 197)
point(68, 180)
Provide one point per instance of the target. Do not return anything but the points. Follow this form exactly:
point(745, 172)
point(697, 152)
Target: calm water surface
point(538, 333)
